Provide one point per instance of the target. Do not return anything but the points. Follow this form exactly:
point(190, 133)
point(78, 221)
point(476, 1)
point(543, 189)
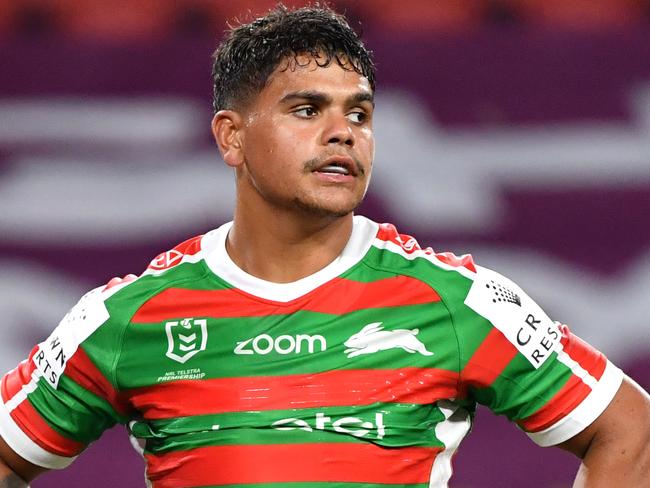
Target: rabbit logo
point(372, 338)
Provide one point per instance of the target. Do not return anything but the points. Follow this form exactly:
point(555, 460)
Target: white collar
point(213, 245)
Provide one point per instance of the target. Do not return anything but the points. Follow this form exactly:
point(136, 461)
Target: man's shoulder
point(122, 296)
point(98, 321)
point(187, 251)
point(401, 250)
point(184, 262)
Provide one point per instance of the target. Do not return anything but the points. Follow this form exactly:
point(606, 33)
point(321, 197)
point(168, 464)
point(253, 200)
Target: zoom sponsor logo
point(354, 426)
point(264, 344)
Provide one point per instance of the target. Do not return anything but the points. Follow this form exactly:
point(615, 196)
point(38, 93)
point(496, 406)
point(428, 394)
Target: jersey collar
point(213, 245)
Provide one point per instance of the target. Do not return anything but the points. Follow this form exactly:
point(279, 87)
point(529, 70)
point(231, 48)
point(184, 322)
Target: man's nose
point(339, 131)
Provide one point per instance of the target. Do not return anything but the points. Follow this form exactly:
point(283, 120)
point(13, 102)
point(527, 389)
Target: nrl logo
point(186, 338)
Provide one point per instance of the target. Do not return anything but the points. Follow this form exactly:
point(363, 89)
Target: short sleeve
point(58, 400)
point(520, 363)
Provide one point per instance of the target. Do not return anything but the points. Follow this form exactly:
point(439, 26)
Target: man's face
point(307, 140)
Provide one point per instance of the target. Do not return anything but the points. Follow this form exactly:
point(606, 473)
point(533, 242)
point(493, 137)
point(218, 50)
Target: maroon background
point(488, 78)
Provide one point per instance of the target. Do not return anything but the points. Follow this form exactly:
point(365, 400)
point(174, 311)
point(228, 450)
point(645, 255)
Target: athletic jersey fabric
point(367, 371)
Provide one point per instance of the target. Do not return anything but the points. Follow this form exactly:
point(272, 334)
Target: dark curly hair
point(250, 53)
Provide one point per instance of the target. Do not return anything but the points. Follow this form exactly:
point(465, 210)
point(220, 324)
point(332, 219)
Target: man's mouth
point(334, 168)
point(339, 165)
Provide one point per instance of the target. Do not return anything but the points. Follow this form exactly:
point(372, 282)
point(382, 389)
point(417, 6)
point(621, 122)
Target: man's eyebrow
point(307, 96)
point(362, 97)
point(320, 98)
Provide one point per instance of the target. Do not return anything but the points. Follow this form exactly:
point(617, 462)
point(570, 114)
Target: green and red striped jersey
point(368, 371)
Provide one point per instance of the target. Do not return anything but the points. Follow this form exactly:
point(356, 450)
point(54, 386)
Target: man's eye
point(357, 117)
point(305, 112)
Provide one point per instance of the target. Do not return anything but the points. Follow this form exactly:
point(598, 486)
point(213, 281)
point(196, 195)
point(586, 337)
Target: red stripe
point(352, 387)
point(190, 246)
point(13, 381)
point(83, 371)
point(558, 407)
point(343, 463)
point(488, 361)
point(465, 261)
point(388, 232)
point(39, 431)
point(586, 356)
point(389, 292)
point(174, 256)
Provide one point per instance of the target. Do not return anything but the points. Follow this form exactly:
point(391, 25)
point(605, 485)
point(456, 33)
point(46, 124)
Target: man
point(300, 344)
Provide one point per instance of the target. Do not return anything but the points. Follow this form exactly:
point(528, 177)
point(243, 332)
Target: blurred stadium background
point(517, 130)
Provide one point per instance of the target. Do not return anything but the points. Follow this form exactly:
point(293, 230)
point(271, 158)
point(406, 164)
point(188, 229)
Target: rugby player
point(300, 343)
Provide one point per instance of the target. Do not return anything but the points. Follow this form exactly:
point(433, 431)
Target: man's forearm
point(11, 481)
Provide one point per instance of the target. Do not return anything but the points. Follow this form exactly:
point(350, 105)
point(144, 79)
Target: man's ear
point(226, 129)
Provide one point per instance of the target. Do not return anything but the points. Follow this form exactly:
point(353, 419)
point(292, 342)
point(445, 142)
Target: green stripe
point(73, 411)
point(144, 361)
point(384, 424)
point(469, 328)
point(363, 273)
point(192, 276)
point(532, 389)
point(383, 261)
point(105, 344)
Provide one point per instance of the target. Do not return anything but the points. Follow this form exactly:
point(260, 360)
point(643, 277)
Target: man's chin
point(325, 210)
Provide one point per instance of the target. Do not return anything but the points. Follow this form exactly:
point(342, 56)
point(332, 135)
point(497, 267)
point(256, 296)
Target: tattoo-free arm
point(615, 448)
point(15, 472)
point(11, 480)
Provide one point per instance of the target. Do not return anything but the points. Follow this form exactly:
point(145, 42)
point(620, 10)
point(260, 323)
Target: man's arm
point(615, 448)
point(15, 471)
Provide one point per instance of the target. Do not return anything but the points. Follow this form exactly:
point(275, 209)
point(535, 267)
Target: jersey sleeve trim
point(585, 413)
point(26, 447)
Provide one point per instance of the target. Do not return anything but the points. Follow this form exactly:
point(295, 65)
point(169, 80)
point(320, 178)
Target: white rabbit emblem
point(372, 338)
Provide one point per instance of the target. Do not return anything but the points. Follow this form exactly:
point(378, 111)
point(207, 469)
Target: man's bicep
point(14, 469)
point(615, 448)
point(628, 413)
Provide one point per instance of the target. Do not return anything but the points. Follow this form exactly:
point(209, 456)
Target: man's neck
point(286, 247)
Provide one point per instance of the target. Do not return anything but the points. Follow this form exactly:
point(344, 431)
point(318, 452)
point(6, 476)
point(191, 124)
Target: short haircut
point(250, 53)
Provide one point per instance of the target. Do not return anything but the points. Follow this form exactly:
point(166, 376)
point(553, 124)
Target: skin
point(291, 221)
point(615, 448)
point(14, 470)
